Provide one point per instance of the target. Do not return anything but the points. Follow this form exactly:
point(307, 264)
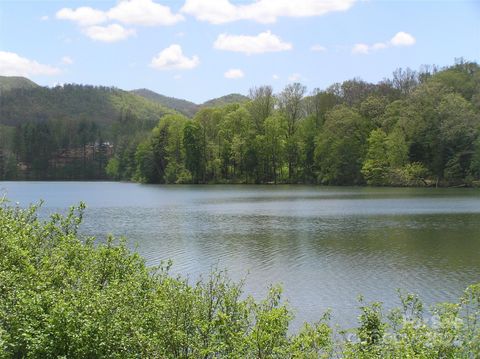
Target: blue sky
point(200, 49)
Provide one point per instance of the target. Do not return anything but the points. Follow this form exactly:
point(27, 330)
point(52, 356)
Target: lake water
point(325, 245)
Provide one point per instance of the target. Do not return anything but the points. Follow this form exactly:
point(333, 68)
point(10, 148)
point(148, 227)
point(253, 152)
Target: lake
point(325, 245)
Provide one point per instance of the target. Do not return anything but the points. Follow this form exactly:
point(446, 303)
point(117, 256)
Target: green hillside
point(189, 108)
point(225, 100)
point(8, 83)
point(99, 104)
point(185, 107)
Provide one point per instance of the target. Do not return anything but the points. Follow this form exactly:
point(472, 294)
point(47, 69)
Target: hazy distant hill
point(15, 82)
point(185, 107)
point(99, 104)
point(225, 100)
point(189, 108)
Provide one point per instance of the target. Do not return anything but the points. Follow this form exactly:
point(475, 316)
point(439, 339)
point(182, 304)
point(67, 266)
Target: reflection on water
point(325, 245)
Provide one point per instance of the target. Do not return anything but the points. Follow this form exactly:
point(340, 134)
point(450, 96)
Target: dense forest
point(417, 128)
point(71, 131)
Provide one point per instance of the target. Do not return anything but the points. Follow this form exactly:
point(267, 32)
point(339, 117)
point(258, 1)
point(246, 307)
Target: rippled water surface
point(326, 245)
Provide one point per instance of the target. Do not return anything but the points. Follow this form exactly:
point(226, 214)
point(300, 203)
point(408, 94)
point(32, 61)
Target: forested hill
point(225, 100)
point(183, 106)
point(22, 100)
point(74, 102)
point(69, 131)
point(14, 82)
point(189, 108)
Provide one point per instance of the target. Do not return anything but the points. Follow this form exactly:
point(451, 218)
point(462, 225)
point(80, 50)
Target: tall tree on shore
point(291, 107)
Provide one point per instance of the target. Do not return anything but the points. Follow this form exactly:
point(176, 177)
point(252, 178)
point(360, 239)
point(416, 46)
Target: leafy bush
point(412, 174)
point(63, 296)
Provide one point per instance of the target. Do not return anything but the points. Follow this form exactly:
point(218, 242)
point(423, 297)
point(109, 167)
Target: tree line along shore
point(417, 128)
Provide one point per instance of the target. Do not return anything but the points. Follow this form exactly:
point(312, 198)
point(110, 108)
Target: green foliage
point(475, 162)
point(397, 149)
point(341, 147)
point(113, 168)
point(375, 167)
point(373, 108)
point(160, 157)
point(450, 330)
point(188, 108)
point(275, 142)
point(318, 104)
point(194, 150)
point(102, 105)
point(145, 161)
point(459, 79)
point(8, 83)
point(412, 174)
point(185, 107)
point(232, 98)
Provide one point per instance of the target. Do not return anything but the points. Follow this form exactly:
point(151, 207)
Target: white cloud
point(172, 58)
point(12, 64)
point(234, 74)
point(83, 16)
point(263, 11)
point(67, 60)
point(294, 77)
point(402, 39)
point(360, 49)
point(110, 33)
point(318, 48)
point(143, 12)
point(213, 11)
point(399, 39)
point(263, 42)
point(130, 12)
point(275, 77)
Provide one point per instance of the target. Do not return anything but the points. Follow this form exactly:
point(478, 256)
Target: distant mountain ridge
point(225, 100)
point(186, 107)
point(22, 99)
point(8, 83)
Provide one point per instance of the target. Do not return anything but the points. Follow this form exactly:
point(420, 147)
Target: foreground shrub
point(63, 296)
